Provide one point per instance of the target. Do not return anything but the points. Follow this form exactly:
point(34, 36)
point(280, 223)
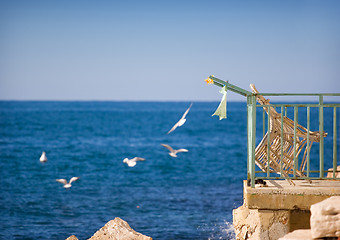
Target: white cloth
point(221, 111)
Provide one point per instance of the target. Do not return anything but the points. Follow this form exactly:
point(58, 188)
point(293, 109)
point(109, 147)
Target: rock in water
point(72, 237)
point(325, 218)
point(118, 229)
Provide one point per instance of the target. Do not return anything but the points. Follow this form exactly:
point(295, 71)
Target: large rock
point(330, 173)
point(325, 218)
point(118, 229)
point(72, 237)
point(299, 234)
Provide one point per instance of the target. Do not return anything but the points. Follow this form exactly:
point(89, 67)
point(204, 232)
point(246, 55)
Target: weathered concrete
point(280, 194)
point(324, 221)
point(260, 224)
point(267, 223)
point(273, 211)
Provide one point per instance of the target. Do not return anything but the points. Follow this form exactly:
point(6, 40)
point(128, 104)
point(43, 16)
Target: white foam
point(224, 230)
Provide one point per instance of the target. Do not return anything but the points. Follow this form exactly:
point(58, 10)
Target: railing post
point(295, 126)
point(281, 163)
point(308, 141)
point(268, 144)
point(321, 147)
point(251, 126)
point(334, 143)
point(263, 122)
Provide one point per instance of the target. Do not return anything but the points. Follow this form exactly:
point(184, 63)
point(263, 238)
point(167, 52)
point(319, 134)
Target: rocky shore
point(324, 224)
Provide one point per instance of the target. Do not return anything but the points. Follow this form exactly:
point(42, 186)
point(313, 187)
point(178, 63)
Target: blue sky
point(163, 50)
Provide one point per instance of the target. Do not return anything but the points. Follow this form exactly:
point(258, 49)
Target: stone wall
point(260, 224)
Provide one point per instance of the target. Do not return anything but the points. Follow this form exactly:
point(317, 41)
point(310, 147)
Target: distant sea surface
point(188, 197)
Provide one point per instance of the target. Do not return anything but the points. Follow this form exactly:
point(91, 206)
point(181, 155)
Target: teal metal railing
point(284, 108)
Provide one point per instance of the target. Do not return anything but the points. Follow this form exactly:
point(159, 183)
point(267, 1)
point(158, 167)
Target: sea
point(188, 197)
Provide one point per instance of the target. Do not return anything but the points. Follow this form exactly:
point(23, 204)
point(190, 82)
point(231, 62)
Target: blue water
point(188, 197)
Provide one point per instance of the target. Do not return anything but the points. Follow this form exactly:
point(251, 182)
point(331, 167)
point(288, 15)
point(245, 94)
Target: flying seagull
point(173, 153)
point(132, 162)
point(67, 185)
point(181, 121)
point(43, 157)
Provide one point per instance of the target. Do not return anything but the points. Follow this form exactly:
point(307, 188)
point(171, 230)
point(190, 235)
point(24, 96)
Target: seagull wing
point(73, 179)
point(168, 147)
point(174, 127)
point(181, 121)
point(186, 112)
point(63, 181)
point(138, 159)
point(182, 150)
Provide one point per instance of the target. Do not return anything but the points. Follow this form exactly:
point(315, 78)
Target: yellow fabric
point(209, 80)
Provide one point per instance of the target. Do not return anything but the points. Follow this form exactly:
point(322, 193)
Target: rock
point(325, 218)
point(298, 235)
point(330, 174)
point(72, 237)
point(118, 229)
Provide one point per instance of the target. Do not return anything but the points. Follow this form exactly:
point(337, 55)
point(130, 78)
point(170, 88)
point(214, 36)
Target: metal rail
point(251, 133)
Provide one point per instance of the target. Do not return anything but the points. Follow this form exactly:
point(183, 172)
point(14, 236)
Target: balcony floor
point(279, 194)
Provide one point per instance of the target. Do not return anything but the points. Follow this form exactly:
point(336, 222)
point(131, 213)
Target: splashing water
point(221, 230)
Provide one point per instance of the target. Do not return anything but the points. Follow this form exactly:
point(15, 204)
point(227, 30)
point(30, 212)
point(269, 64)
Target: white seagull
point(132, 162)
point(181, 121)
point(43, 157)
point(173, 153)
point(67, 185)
